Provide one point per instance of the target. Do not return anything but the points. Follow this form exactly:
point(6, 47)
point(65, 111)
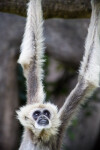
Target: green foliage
point(64, 147)
point(45, 68)
point(21, 85)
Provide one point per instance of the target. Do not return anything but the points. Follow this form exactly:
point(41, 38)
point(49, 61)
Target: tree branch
point(51, 8)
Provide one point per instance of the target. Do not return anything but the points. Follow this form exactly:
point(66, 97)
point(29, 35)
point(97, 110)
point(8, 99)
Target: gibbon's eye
point(36, 114)
point(46, 113)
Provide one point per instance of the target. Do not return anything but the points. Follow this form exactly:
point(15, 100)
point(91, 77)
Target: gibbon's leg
point(32, 50)
point(89, 73)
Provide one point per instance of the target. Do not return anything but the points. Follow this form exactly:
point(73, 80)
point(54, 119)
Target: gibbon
point(44, 125)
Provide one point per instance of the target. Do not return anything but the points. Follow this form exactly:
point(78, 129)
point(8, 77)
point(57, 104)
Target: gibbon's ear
point(22, 115)
point(32, 51)
point(25, 117)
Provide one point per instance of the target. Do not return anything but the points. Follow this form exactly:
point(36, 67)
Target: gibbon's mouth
point(43, 122)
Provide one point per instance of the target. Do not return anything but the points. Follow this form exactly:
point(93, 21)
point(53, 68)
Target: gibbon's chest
point(40, 148)
point(31, 146)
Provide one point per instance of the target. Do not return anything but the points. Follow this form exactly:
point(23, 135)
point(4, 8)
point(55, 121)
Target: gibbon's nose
point(43, 121)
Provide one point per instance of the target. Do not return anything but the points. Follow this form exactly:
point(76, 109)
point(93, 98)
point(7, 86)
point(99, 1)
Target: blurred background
point(64, 50)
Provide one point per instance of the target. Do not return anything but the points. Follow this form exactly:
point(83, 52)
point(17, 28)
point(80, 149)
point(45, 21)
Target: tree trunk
point(9, 101)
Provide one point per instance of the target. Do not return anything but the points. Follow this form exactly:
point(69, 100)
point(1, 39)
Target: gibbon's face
point(38, 117)
point(42, 118)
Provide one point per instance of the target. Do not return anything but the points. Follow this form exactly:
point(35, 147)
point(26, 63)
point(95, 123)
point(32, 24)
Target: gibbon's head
point(40, 118)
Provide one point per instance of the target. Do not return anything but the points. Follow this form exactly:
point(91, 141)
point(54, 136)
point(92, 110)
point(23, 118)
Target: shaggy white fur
point(49, 136)
point(33, 40)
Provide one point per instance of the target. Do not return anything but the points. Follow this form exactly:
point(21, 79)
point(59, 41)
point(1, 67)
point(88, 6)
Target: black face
point(42, 117)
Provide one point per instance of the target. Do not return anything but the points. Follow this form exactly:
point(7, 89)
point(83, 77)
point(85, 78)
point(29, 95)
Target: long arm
point(32, 50)
point(89, 73)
